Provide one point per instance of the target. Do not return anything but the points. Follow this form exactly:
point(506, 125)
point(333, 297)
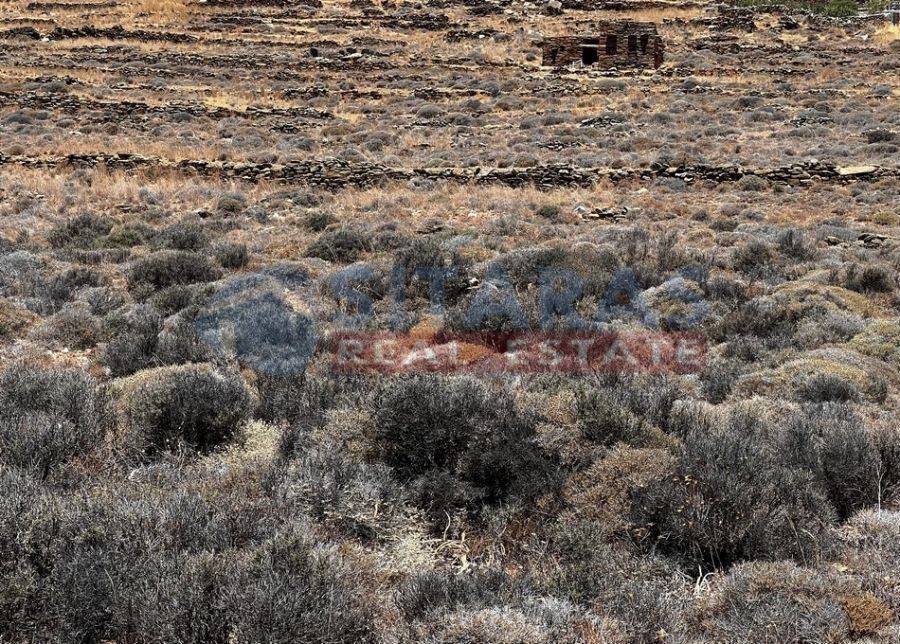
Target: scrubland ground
point(181, 462)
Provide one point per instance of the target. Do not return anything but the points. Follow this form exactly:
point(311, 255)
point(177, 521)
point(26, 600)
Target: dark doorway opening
point(589, 54)
point(612, 45)
point(632, 44)
point(553, 54)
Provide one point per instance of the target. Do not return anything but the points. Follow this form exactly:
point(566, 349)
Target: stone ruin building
point(610, 45)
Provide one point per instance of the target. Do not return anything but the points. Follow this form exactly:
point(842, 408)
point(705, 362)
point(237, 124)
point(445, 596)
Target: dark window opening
point(632, 44)
point(589, 54)
point(553, 54)
point(612, 45)
point(644, 40)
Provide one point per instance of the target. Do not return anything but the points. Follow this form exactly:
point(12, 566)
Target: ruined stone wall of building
point(562, 51)
point(636, 45)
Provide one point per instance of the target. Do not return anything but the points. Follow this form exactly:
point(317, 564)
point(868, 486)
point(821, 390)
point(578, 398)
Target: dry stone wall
point(337, 173)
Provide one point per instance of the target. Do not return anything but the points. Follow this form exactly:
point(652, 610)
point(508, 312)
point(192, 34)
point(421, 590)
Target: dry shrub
point(193, 406)
point(870, 551)
point(14, 319)
point(605, 420)
point(731, 498)
point(644, 594)
point(867, 613)
point(48, 417)
point(489, 606)
point(499, 625)
point(167, 268)
point(773, 602)
point(458, 441)
point(832, 443)
point(294, 589)
point(602, 493)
